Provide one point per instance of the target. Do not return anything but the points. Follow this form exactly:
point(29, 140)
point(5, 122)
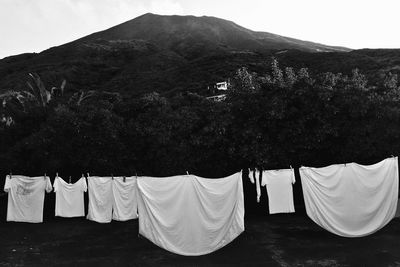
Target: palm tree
point(41, 95)
point(14, 102)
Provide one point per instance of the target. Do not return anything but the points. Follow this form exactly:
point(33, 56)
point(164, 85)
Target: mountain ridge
point(175, 54)
point(168, 30)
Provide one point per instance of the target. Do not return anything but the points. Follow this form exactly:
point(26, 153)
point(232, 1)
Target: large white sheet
point(125, 198)
point(190, 215)
point(26, 197)
point(351, 200)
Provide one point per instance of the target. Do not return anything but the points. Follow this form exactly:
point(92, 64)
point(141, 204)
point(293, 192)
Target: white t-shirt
point(125, 198)
point(69, 197)
point(26, 197)
point(100, 199)
point(279, 189)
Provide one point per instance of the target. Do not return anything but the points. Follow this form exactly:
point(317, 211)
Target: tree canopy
point(270, 120)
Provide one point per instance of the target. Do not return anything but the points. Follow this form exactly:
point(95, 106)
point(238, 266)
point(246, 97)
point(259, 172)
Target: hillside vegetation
point(271, 120)
point(131, 99)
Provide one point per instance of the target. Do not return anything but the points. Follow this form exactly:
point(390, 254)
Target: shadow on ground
point(279, 240)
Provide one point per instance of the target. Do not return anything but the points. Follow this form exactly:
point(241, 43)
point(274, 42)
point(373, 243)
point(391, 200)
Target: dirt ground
point(277, 240)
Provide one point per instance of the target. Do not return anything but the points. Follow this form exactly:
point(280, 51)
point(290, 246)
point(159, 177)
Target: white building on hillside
point(222, 86)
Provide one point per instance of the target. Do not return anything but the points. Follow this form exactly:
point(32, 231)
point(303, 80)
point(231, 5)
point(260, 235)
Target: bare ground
point(278, 240)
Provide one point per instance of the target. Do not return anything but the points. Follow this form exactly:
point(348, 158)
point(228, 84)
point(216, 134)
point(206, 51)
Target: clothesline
point(191, 215)
point(187, 173)
point(344, 164)
point(111, 175)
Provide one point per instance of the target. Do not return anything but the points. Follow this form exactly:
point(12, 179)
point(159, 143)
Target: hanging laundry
point(125, 198)
point(251, 176)
point(279, 189)
point(190, 215)
point(69, 197)
point(351, 200)
point(100, 199)
point(258, 188)
point(26, 197)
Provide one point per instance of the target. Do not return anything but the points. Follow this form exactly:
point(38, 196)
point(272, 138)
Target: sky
point(35, 25)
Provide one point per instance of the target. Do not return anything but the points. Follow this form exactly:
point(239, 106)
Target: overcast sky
point(35, 25)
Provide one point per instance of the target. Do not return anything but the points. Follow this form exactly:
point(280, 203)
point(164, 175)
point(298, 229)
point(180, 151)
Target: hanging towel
point(100, 199)
point(251, 176)
point(279, 189)
point(125, 198)
point(258, 188)
point(190, 215)
point(26, 197)
point(69, 197)
point(351, 200)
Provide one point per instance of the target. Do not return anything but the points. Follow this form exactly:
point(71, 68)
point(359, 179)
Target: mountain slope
point(177, 53)
point(187, 35)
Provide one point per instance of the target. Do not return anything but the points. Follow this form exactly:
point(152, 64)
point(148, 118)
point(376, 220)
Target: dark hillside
point(172, 54)
point(372, 62)
point(192, 36)
point(153, 53)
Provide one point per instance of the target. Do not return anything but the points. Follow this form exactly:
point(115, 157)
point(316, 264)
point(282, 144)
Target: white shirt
point(69, 197)
point(279, 189)
point(26, 197)
point(125, 198)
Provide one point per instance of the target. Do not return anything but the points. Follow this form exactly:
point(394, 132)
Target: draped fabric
point(279, 189)
point(26, 197)
point(190, 215)
point(258, 187)
point(351, 200)
point(69, 197)
point(100, 199)
point(251, 176)
point(125, 198)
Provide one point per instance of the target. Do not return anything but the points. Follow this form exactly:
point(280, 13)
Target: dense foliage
point(274, 120)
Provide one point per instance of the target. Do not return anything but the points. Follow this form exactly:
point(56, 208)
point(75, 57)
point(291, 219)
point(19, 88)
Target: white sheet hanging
point(258, 188)
point(26, 197)
point(125, 198)
point(190, 215)
point(351, 200)
point(279, 189)
point(69, 197)
point(100, 199)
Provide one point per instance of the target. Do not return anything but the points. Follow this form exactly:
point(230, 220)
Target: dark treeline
point(273, 120)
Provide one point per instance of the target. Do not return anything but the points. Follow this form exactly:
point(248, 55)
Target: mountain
point(170, 54)
point(189, 36)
